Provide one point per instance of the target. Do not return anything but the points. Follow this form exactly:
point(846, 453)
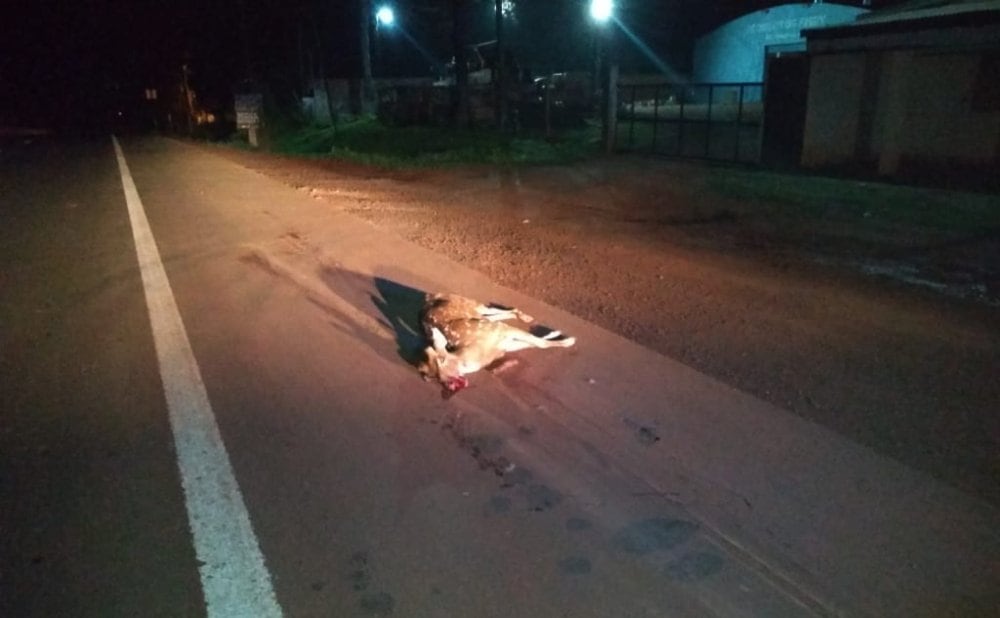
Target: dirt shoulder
point(858, 332)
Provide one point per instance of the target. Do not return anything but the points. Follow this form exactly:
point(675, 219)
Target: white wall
point(924, 111)
point(734, 52)
point(940, 120)
point(833, 106)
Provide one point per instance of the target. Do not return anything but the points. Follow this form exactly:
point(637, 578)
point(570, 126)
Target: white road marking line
point(234, 580)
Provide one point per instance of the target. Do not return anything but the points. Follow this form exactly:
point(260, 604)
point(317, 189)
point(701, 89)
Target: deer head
point(441, 365)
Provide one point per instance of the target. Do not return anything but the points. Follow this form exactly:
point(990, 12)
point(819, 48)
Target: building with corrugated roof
point(736, 51)
point(909, 91)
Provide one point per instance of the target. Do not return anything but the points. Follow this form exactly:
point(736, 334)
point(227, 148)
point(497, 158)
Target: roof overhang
point(966, 29)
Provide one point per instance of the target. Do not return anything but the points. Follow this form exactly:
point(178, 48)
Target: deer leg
point(494, 313)
point(501, 365)
point(520, 340)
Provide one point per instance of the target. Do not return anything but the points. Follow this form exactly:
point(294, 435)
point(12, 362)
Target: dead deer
point(465, 335)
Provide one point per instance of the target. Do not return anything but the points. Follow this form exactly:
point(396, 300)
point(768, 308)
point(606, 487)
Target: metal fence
point(706, 121)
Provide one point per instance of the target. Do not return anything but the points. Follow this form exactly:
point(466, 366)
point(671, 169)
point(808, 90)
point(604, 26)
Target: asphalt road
point(603, 480)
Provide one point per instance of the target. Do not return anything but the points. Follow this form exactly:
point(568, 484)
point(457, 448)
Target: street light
point(605, 71)
point(385, 16)
point(601, 10)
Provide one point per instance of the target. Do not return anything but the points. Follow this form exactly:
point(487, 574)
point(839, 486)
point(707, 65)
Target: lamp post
point(385, 16)
point(500, 70)
point(601, 12)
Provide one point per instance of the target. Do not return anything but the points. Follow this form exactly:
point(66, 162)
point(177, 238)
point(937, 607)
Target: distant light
point(601, 10)
point(385, 16)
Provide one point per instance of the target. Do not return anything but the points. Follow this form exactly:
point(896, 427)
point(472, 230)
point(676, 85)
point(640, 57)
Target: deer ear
point(439, 340)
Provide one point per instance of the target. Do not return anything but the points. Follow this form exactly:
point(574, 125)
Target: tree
point(500, 75)
point(460, 14)
point(367, 83)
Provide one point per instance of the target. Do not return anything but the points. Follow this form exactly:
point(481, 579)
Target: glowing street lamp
point(385, 16)
point(601, 10)
point(605, 71)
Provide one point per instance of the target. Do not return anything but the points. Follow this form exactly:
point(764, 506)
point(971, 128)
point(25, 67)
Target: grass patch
point(368, 141)
point(796, 199)
point(873, 205)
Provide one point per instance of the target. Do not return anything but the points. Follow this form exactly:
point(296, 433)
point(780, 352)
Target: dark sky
point(62, 58)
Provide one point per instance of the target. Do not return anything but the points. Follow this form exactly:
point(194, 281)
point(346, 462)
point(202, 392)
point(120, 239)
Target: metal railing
point(719, 121)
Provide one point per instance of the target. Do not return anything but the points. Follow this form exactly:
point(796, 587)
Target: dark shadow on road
point(397, 305)
point(400, 305)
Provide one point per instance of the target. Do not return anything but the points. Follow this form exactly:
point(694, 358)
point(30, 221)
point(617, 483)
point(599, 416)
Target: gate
point(718, 121)
point(785, 109)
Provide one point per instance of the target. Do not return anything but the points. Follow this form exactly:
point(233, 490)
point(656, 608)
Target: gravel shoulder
point(840, 328)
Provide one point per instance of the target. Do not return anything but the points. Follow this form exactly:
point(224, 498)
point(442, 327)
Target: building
point(908, 91)
point(736, 51)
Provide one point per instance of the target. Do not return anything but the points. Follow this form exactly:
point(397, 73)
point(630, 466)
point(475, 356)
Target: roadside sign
point(248, 110)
